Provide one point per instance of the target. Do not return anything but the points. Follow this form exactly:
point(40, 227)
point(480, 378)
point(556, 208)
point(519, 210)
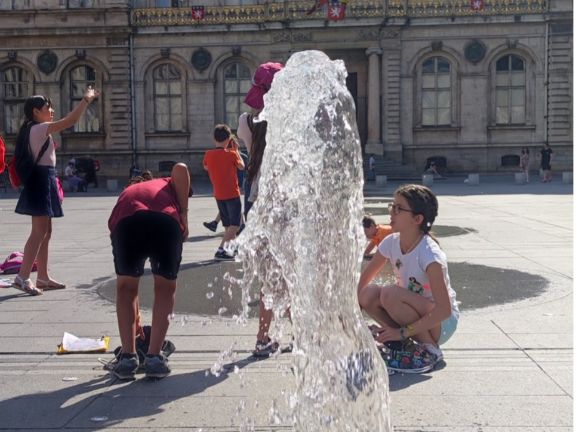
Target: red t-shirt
point(222, 168)
point(156, 195)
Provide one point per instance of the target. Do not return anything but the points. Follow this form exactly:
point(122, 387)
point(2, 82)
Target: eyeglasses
point(396, 209)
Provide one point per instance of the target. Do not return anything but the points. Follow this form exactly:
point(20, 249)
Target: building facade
point(470, 81)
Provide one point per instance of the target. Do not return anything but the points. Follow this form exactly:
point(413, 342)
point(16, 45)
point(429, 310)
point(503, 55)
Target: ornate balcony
point(356, 9)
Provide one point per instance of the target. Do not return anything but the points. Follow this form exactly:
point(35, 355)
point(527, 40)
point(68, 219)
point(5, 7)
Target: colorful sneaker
point(125, 368)
point(212, 226)
point(412, 358)
point(223, 256)
point(265, 349)
point(156, 366)
point(434, 350)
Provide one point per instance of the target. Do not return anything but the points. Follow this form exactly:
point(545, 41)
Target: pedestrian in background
point(546, 163)
point(525, 163)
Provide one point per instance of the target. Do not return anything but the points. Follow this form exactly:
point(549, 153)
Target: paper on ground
point(74, 344)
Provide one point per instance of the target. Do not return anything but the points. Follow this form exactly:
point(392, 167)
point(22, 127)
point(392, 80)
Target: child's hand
point(90, 94)
point(387, 334)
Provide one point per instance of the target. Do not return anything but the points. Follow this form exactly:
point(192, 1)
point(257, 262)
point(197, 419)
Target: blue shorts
point(230, 211)
point(447, 329)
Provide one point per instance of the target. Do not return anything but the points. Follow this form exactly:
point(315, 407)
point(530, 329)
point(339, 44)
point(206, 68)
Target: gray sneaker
point(125, 368)
point(156, 366)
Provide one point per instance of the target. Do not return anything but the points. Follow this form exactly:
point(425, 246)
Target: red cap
point(261, 83)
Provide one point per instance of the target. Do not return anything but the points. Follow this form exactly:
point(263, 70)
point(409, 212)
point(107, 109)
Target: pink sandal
point(26, 285)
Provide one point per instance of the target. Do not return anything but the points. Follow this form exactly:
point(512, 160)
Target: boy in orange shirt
point(374, 233)
point(222, 164)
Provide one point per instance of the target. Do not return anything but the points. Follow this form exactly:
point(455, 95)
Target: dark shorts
point(546, 166)
point(40, 194)
point(247, 203)
point(147, 235)
point(230, 211)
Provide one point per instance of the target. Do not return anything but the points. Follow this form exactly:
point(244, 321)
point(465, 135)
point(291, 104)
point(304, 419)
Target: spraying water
point(302, 244)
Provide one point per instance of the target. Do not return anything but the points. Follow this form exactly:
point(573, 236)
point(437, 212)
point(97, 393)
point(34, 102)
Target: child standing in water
point(422, 304)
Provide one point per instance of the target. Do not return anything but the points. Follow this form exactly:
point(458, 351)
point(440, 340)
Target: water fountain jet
point(303, 244)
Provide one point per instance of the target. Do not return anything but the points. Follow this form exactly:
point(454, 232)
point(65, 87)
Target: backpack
point(12, 264)
point(22, 163)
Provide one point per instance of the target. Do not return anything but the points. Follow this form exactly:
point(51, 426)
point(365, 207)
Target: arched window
point(80, 78)
point(510, 90)
point(436, 92)
point(167, 93)
point(16, 87)
point(237, 82)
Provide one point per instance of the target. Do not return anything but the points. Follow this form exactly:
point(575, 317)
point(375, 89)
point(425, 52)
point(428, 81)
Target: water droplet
point(99, 419)
point(222, 310)
point(209, 295)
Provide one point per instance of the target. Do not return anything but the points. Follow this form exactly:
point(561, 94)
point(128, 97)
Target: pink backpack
point(13, 263)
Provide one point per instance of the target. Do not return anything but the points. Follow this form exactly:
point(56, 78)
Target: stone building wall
point(384, 45)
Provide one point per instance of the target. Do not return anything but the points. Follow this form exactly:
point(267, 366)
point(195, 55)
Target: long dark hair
point(258, 145)
point(422, 201)
point(23, 137)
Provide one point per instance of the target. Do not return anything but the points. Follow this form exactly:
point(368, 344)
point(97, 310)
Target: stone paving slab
point(508, 368)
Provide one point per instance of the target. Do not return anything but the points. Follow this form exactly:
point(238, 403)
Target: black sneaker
point(211, 225)
point(126, 366)
point(265, 349)
point(223, 256)
point(156, 366)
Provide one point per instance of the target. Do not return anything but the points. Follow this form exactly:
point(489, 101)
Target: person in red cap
point(253, 135)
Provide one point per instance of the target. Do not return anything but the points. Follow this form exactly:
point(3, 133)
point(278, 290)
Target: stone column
point(374, 143)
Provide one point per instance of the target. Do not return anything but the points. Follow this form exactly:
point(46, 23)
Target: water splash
point(303, 243)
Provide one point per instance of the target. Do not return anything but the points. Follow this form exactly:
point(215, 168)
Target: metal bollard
point(381, 180)
point(427, 179)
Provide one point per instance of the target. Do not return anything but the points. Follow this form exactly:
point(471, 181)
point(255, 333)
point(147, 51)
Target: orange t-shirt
point(222, 166)
point(381, 232)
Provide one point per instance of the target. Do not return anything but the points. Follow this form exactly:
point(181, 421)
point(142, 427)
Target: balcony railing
point(356, 9)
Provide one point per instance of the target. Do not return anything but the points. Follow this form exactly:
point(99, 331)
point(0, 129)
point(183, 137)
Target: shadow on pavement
point(111, 403)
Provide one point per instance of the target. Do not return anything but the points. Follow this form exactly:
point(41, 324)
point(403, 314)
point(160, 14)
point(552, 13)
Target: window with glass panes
point(16, 87)
point(80, 78)
point(168, 107)
point(436, 92)
point(237, 82)
point(510, 90)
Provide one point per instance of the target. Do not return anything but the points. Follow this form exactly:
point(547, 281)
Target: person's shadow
point(105, 401)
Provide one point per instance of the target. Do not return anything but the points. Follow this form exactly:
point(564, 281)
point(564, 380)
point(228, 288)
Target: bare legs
point(36, 248)
point(229, 234)
point(395, 307)
point(164, 293)
point(127, 311)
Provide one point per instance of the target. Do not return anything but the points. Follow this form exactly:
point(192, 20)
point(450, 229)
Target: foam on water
point(302, 243)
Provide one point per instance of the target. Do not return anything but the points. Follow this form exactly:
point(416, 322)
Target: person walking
point(222, 164)
point(149, 220)
point(39, 197)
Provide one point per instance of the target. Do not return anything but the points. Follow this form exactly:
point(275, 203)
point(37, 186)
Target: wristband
point(86, 100)
point(410, 330)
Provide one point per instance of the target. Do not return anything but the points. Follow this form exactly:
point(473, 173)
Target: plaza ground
point(508, 367)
